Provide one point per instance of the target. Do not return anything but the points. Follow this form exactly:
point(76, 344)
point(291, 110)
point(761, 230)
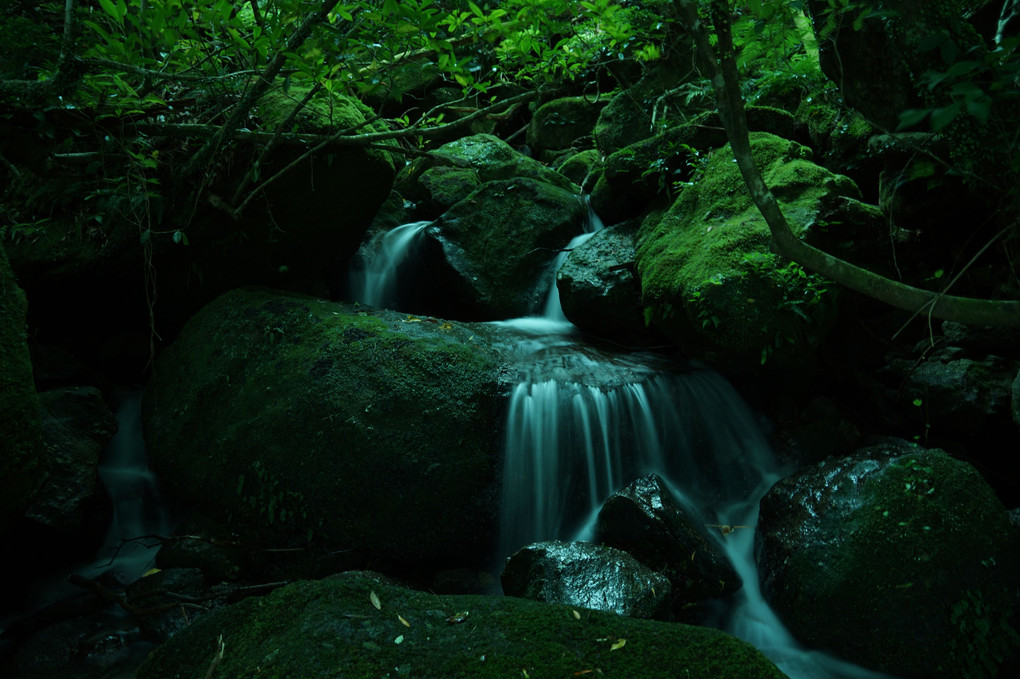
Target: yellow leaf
point(576, 615)
point(618, 644)
point(151, 571)
point(402, 621)
point(374, 598)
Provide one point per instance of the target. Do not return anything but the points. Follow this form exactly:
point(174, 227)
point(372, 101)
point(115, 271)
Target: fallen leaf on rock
point(576, 615)
point(374, 598)
point(458, 617)
point(403, 622)
point(618, 644)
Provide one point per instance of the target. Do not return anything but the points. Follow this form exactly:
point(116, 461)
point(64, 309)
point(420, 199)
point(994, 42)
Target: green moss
point(20, 427)
point(705, 268)
point(332, 628)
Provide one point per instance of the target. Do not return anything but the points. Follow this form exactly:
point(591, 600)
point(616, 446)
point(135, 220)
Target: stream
point(583, 423)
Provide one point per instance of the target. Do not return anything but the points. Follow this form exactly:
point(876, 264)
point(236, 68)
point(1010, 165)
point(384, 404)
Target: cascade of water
point(376, 281)
point(581, 425)
point(137, 511)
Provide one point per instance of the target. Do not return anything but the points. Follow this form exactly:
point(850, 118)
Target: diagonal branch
point(200, 161)
point(725, 83)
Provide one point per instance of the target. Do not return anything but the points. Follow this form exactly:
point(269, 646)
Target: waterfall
point(375, 278)
point(137, 510)
point(582, 424)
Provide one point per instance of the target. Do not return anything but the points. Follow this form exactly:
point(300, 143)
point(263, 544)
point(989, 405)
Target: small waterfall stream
point(582, 424)
point(137, 510)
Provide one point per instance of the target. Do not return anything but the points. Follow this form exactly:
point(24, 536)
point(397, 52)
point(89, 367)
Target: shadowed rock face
point(883, 556)
point(592, 576)
point(360, 625)
point(294, 421)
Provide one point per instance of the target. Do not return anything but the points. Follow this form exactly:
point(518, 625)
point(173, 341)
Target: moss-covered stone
point(502, 238)
point(333, 628)
point(898, 558)
point(582, 168)
point(21, 464)
point(447, 186)
point(296, 421)
point(708, 277)
point(494, 159)
point(559, 123)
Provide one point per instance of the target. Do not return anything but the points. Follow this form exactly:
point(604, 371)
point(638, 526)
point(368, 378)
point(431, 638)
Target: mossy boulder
point(582, 168)
point(558, 124)
point(334, 628)
point(898, 558)
point(300, 422)
point(21, 462)
point(501, 239)
point(708, 278)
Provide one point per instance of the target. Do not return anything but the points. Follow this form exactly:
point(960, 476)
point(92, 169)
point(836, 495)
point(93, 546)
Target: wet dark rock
point(21, 462)
point(648, 521)
point(299, 422)
point(898, 558)
point(357, 625)
point(591, 576)
point(599, 292)
point(499, 269)
point(77, 426)
point(956, 393)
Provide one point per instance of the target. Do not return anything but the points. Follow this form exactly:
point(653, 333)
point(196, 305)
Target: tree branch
point(200, 161)
point(725, 84)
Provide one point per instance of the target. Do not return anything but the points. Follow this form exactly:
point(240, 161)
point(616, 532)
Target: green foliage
point(973, 83)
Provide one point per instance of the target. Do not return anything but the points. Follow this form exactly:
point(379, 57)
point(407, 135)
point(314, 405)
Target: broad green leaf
point(941, 117)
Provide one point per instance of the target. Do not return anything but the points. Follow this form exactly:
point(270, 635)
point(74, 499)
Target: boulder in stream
point(296, 422)
point(648, 521)
point(898, 558)
point(583, 574)
point(501, 239)
point(358, 624)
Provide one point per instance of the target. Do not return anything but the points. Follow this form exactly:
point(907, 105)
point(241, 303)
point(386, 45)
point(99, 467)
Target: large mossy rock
point(293, 421)
point(708, 277)
point(501, 239)
point(898, 558)
point(21, 463)
point(334, 628)
point(560, 123)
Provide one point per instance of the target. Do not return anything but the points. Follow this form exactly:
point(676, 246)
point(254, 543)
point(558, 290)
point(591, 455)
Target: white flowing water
point(581, 425)
point(127, 553)
point(376, 281)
